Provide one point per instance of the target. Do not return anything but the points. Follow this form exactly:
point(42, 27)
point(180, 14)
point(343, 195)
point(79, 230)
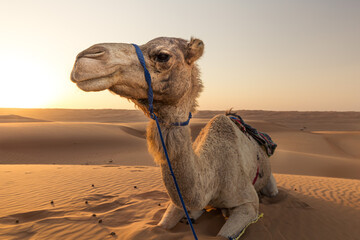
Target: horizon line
point(200, 110)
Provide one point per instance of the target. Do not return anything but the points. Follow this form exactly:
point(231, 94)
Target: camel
point(218, 168)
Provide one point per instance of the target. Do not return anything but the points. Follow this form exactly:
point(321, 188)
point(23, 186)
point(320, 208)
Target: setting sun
point(27, 82)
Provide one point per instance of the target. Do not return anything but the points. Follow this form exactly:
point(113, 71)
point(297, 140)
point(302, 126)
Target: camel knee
point(171, 217)
point(238, 219)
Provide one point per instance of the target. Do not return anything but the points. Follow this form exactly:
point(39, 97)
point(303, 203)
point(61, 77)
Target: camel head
point(170, 61)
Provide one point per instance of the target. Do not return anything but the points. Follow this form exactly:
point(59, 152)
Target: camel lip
point(87, 79)
point(94, 84)
point(79, 80)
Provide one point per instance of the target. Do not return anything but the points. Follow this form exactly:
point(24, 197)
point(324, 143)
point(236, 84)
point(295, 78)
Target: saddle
point(261, 138)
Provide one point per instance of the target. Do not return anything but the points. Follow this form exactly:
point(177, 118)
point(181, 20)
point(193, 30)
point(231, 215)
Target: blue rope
point(183, 123)
point(148, 80)
point(153, 116)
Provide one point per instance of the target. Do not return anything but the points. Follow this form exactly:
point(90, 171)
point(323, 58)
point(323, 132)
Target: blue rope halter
point(154, 117)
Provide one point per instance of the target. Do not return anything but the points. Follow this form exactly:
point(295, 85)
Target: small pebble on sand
point(112, 234)
point(94, 215)
point(86, 202)
point(92, 185)
point(100, 221)
point(135, 186)
point(17, 221)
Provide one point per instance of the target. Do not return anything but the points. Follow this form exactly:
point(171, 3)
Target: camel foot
point(270, 190)
point(171, 217)
point(194, 215)
point(225, 212)
point(239, 218)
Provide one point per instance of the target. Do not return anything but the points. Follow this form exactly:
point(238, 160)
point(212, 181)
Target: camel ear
point(194, 50)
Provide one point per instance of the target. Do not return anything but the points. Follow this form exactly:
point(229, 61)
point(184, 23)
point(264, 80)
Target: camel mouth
point(95, 84)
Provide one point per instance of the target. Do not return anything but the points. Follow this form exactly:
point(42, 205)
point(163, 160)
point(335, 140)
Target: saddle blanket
point(263, 139)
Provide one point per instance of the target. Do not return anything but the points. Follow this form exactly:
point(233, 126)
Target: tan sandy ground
point(317, 165)
point(319, 208)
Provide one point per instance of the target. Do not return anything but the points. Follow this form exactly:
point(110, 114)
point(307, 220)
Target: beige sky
point(272, 55)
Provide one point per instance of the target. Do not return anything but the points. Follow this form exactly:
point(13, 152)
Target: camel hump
point(222, 125)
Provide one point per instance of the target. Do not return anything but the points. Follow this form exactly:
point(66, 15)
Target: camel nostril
point(93, 52)
point(94, 55)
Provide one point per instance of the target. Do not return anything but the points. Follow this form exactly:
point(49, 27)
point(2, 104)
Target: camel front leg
point(239, 218)
point(171, 216)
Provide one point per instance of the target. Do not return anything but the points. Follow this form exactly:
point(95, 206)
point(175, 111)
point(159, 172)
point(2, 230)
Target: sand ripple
point(345, 192)
point(91, 202)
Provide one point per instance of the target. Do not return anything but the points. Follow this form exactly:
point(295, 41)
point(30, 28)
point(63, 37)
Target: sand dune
point(306, 153)
point(317, 165)
point(313, 121)
point(306, 208)
point(78, 115)
point(344, 141)
point(70, 143)
point(15, 118)
point(299, 152)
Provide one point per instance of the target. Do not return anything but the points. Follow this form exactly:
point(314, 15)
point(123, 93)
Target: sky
point(259, 55)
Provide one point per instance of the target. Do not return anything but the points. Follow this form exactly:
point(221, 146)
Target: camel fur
point(218, 168)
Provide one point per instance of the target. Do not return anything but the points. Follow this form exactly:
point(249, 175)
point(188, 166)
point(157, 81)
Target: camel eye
point(162, 57)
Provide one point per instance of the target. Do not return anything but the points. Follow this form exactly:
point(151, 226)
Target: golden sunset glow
point(271, 55)
point(26, 82)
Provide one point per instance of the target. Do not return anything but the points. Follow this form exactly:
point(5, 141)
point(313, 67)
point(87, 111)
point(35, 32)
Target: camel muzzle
point(100, 62)
point(86, 66)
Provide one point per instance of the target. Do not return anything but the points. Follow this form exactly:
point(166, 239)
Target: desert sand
point(86, 174)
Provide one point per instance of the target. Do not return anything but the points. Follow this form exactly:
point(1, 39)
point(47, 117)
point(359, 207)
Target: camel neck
point(182, 157)
point(176, 124)
point(169, 114)
point(175, 138)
